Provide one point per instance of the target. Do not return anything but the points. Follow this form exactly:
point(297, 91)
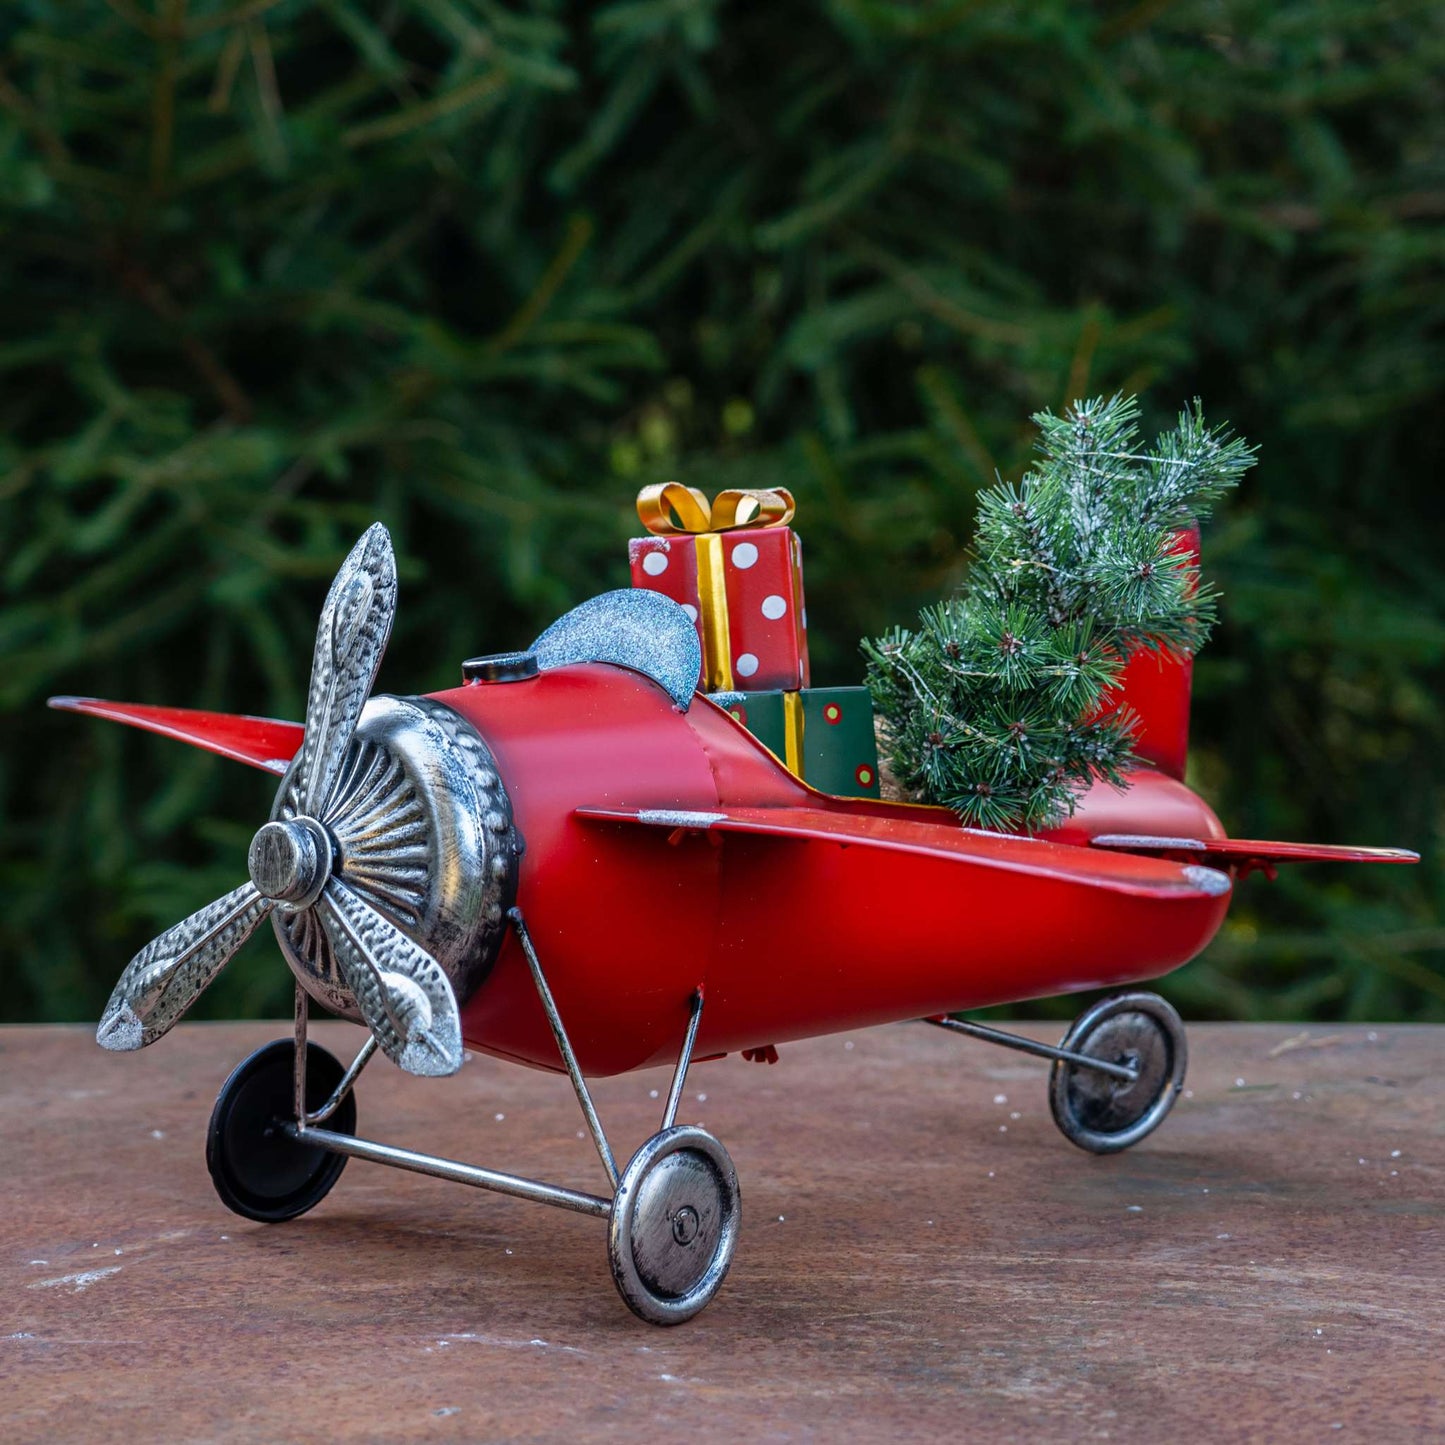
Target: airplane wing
point(1121, 873)
point(262, 742)
point(1245, 854)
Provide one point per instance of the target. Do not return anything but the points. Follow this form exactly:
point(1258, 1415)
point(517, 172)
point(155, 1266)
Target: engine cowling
point(422, 828)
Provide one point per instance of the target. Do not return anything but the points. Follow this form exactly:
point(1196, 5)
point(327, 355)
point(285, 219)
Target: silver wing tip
point(429, 1057)
point(1208, 880)
point(120, 1030)
point(69, 702)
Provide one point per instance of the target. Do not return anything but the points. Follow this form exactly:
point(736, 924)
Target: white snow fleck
point(1000, 1098)
point(781, 1218)
point(80, 1282)
point(1373, 1036)
point(1015, 1115)
point(1239, 1083)
point(702, 1098)
point(848, 1043)
point(1134, 1208)
point(448, 1410)
point(652, 1093)
point(158, 1133)
point(1003, 1128)
point(990, 1173)
point(499, 1117)
point(1189, 1093)
point(1221, 1236)
point(1394, 1153)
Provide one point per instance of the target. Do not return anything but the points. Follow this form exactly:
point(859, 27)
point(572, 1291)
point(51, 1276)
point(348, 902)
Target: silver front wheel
point(674, 1225)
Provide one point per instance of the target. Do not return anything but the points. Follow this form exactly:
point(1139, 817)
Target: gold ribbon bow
point(668, 509)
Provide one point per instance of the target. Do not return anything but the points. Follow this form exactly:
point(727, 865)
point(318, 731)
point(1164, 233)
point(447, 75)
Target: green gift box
point(823, 734)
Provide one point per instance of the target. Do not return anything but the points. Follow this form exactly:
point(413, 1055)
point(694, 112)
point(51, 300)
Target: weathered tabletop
point(922, 1254)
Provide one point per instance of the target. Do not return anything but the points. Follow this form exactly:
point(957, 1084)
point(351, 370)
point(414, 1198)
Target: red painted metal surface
point(667, 851)
point(1153, 803)
point(1157, 688)
point(1223, 852)
point(798, 914)
point(263, 742)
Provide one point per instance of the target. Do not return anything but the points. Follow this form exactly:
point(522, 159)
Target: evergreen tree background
point(271, 269)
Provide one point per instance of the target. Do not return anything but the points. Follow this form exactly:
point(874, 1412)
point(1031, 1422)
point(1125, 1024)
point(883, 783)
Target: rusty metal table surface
point(922, 1254)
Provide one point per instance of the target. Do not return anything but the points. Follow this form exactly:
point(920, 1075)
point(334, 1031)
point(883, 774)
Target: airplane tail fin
point(1157, 689)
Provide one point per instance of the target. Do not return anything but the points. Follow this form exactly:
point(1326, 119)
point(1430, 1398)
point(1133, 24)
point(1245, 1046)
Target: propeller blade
point(401, 990)
point(165, 978)
point(350, 639)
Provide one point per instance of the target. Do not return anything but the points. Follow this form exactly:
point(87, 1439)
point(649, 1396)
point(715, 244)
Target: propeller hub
point(290, 861)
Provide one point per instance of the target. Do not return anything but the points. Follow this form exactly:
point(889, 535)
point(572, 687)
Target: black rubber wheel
point(1105, 1114)
point(258, 1171)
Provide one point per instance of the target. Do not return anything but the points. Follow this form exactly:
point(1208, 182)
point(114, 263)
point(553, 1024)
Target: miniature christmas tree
point(998, 704)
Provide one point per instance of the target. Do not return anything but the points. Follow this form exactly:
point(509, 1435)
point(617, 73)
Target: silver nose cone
point(290, 861)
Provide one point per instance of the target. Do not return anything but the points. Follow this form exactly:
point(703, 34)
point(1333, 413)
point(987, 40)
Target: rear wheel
point(1101, 1112)
point(258, 1169)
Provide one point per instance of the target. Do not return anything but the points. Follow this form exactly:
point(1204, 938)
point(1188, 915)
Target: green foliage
point(271, 271)
point(997, 706)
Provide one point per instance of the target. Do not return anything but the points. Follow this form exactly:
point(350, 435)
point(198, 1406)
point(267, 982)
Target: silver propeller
point(401, 990)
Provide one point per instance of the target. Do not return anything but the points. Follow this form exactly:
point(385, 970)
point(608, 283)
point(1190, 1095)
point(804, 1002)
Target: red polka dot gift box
point(737, 568)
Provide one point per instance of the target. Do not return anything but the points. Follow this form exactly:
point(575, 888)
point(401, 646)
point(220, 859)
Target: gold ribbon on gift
point(669, 509)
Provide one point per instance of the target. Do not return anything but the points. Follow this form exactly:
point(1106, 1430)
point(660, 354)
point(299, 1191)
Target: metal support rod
point(549, 1005)
point(298, 1061)
point(348, 1081)
point(679, 1074)
point(439, 1168)
point(1029, 1046)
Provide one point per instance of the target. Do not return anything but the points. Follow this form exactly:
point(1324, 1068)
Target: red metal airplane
point(576, 862)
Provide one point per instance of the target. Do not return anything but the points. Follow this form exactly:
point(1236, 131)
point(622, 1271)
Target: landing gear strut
point(1116, 1074)
point(673, 1213)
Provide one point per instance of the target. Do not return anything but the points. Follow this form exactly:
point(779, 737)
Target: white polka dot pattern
point(655, 563)
point(745, 554)
point(746, 665)
point(774, 607)
point(690, 610)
